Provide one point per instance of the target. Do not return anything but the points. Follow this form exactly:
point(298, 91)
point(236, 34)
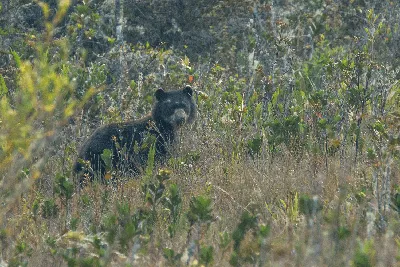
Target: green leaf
point(255, 145)
point(200, 209)
point(107, 156)
point(206, 255)
point(247, 222)
point(3, 86)
point(17, 59)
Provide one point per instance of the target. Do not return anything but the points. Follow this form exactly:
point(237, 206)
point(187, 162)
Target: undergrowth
point(292, 160)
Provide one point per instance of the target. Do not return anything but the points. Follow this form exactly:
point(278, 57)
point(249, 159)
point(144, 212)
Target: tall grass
point(280, 168)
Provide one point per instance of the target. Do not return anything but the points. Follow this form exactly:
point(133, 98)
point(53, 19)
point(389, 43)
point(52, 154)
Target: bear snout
point(179, 117)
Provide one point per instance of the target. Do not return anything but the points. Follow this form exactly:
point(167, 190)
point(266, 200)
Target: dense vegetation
point(293, 158)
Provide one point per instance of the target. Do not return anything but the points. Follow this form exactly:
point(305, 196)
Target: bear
point(130, 142)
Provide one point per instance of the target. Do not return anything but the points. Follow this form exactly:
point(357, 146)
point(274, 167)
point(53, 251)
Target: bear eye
point(179, 106)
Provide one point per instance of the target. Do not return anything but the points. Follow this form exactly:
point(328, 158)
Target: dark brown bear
point(130, 142)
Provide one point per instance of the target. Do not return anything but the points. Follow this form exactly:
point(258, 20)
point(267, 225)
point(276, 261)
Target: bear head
point(174, 109)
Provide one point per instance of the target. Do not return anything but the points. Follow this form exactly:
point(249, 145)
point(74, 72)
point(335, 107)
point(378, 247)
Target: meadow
point(293, 159)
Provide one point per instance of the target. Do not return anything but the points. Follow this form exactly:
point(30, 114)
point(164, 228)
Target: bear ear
point(188, 90)
point(160, 94)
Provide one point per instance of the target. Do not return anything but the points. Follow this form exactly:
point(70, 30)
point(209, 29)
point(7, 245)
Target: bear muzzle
point(179, 117)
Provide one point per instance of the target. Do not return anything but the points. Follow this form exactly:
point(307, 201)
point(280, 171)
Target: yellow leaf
point(45, 9)
point(49, 108)
point(73, 235)
point(107, 176)
point(36, 174)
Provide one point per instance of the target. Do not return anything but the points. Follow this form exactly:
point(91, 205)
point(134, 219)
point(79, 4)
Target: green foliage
point(126, 225)
point(172, 258)
point(206, 255)
point(291, 207)
point(234, 260)
point(224, 240)
point(249, 238)
point(49, 209)
point(364, 255)
point(309, 89)
point(396, 198)
point(287, 131)
point(107, 156)
point(200, 209)
point(40, 98)
point(247, 222)
point(343, 232)
point(22, 250)
point(309, 206)
point(63, 187)
point(71, 256)
point(110, 225)
point(173, 203)
point(255, 145)
point(153, 191)
point(3, 87)
point(35, 110)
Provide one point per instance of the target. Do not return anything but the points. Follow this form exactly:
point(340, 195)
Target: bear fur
point(130, 141)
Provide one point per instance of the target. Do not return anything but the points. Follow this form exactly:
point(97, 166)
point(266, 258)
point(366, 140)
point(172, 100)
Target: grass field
point(293, 159)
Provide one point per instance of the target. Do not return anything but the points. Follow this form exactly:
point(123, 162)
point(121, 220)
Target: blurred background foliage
point(298, 131)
